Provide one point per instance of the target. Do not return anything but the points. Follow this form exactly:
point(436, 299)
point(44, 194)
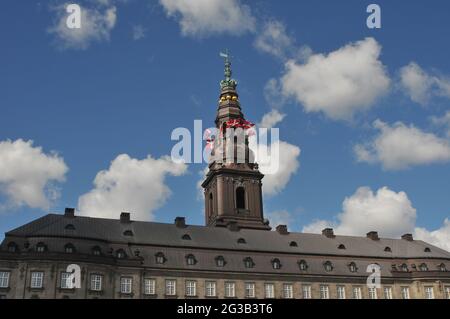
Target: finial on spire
point(228, 81)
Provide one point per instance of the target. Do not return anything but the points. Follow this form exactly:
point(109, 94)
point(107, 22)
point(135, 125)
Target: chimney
point(233, 226)
point(69, 212)
point(180, 222)
point(282, 230)
point(125, 218)
point(328, 232)
point(373, 235)
point(408, 237)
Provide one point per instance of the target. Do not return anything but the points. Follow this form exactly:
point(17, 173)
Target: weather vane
point(227, 81)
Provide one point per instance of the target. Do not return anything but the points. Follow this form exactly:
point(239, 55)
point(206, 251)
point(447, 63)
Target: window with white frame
point(387, 292)
point(4, 279)
point(306, 292)
point(341, 292)
point(357, 294)
point(171, 287)
point(66, 280)
point(96, 282)
point(210, 289)
point(405, 292)
point(230, 289)
point(191, 288)
point(150, 286)
point(269, 290)
point(37, 279)
point(429, 293)
point(324, 292)
point(447, 292)
point(126, 285)
point(373, 293)
point(288, 291)
point(249, 290)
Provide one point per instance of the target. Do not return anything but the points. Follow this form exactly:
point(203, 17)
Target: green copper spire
point(228, 82)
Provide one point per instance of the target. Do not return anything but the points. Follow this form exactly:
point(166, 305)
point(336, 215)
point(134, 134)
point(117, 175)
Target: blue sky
point(149, 67)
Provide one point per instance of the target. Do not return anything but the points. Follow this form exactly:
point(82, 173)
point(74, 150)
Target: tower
point(233, 184)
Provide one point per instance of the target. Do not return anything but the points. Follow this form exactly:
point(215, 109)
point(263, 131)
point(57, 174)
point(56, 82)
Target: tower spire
point(227, 82)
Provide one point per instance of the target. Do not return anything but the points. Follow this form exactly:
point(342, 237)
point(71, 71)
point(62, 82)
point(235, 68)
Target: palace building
point(235, 255)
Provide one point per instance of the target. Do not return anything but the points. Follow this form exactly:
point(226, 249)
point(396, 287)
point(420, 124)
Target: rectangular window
point(96, 282)
point(4, 279)
point(357, 294)
point(387, 292)
point(429, 293)
point(249, 290)
point(373, 293)
point(210, 289)
point(288, 291)
point(341, 292)
point(447, 292)
point(324, 292)
point(306, 291)
point(37, 279)
point(66, 280)
point(269, 290)
point(191, 288)
point(405, 292)
point(126, 285)
point(230, 290)
point(171, 287)
point(149, 286)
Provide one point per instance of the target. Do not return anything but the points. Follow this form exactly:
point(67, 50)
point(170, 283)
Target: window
point(249, 290)
point(288, 291)
point(211, 204)
point(159, 258)
point(69, 227)
point(404, 267)
point(210, 289)
point(302, 265)
point(191, 288)
point(328, 266)
point(121, 254)
point(373, 293)
point(269, 290)
point(12, 247)
point(405, 292)
point(37, 279)
point(442, 267)
point(240, 198)
point(40, 247)
point(388, 249)
point(447, 292)
point(306, 291)
point(340, 292)
point(230, 290)
point(248, 262)
point(241, 241)
point(352, 267)
point(429, 293)
point(324, 292)
point(427, 250)
point(341, 246)
point(357, 294)
point(220, 261)
point(149, 286)
point(126, 284)
point(96, 251)
point(387, 292)
point(171, 287)
point(293, 244)
point(423, 267)
point(186, 237)
point(276, 264)
point(4, 279)
point(190, 260)
point(128, 233)
point(69, 249)
point(66, 280)
point(96, 282)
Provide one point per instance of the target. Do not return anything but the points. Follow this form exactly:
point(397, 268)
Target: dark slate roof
point(162, 234)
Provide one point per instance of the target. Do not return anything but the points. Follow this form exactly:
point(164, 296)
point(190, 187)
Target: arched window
point(352, 267)
point(96, 251)
point(40, 247)
point(442, 267)
point(160, 258)
point(69, 248)
point(190, 260)
point(423, 267)
point(128, 233)
point(69, 227)
point(427, 250)
point(328, 266)
point(293, 244)
point(220, 261)
point(404, 267)
point(248, 262)
point(240, 198)
point(12, 247)
point(241, 241)
point(388, 249)
point(186, 237)
point(121, 254)
point(341, 246)
point(302, 265)
point(276, 264)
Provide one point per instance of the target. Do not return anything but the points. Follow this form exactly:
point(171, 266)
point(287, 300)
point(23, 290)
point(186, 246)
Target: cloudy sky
point(86, 116)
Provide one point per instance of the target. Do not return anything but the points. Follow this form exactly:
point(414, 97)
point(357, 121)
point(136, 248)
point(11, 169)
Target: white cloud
point(281, 217)
point(442, 121)
point(96, 26)
point(201, 18)
point(421, 86)
point(339, 84)
point(138, 32)
point(439, 237)
point(400, 147)
point(271, 119)
point(27, 174)
point(130, 184)
point(274, 40)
